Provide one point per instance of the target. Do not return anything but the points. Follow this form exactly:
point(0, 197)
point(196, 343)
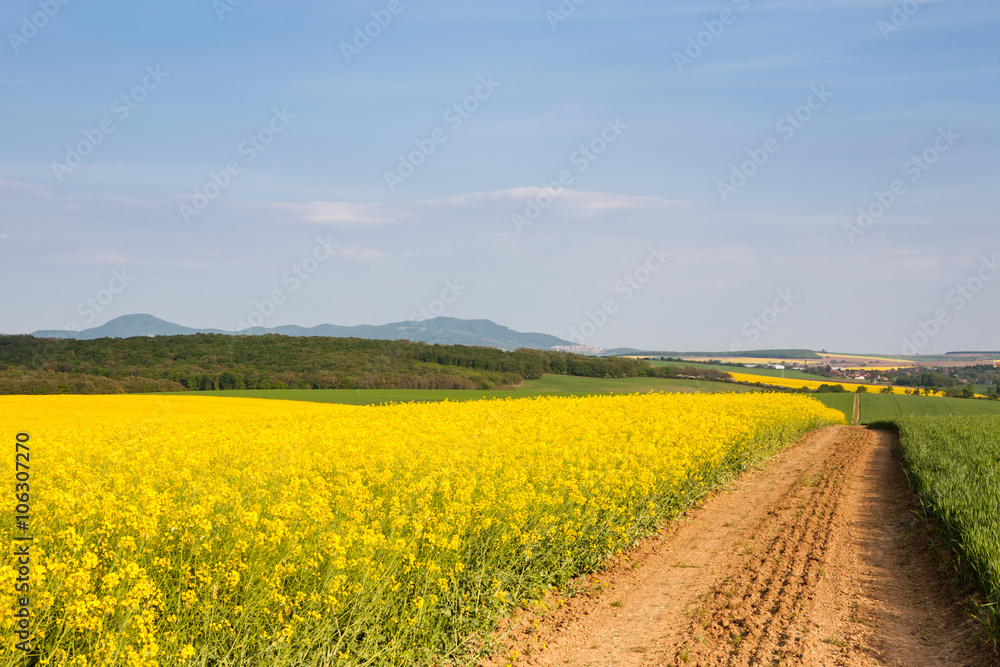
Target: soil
point(817, 558)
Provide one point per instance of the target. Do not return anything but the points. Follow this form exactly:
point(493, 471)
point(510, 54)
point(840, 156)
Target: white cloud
point(496, 203)
point(342, 212)
point(569, 201)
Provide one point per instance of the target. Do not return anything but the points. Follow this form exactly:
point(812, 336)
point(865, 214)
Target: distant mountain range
point(441, 330)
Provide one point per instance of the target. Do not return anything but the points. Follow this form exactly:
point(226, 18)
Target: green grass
point(572, 384)
point(954, 464)
point(887, 407)
point(874, 407)
point(843, 402)
point(548, 385)
point(880, 407)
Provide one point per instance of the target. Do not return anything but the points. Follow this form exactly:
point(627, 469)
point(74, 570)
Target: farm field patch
point(794, 383)
point(548, 385)
point(879, 407)
point(766, 372)
point(752, 360)
point(175, 530)
point(859, 359)
point(843, 402)
point(954, 464)
point(824, 358)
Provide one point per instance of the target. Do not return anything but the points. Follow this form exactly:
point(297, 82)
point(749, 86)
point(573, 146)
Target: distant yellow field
point(901, 362)
point(752, 360)
point(812, 384)
point(850, 361)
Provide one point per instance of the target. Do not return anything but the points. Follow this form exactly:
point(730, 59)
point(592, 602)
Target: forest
point(208, 362)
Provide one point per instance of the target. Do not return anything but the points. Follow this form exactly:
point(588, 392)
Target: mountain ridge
point(437, 330)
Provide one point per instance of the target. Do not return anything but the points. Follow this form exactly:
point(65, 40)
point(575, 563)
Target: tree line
point(210, 362)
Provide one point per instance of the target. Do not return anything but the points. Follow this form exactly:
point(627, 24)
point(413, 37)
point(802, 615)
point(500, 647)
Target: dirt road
point(816, 558)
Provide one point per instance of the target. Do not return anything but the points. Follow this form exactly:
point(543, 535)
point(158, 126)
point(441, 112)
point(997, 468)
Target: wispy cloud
point(22, 188)
point(578, 199)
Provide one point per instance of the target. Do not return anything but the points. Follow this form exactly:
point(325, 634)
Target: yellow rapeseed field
point(220, 531)
point(796, 383)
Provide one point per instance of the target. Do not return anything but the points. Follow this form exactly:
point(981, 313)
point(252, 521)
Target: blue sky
point(742, 158)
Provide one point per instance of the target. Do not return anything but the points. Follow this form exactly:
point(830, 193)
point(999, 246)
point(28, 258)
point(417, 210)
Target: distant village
point(873, 376)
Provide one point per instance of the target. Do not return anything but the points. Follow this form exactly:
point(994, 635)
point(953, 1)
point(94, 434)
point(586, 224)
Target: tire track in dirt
point(889, 597)
point(814, 559)
point(755, 616)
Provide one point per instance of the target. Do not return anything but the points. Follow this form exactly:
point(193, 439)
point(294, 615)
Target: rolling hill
point(440, 330)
